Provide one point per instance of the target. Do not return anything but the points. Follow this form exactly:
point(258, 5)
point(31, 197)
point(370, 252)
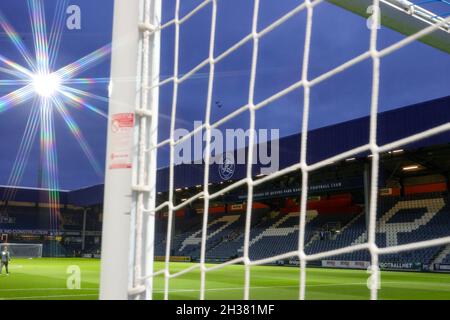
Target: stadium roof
point(329, 141)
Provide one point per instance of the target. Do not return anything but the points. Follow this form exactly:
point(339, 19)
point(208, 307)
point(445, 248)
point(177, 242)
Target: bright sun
point(46, 85)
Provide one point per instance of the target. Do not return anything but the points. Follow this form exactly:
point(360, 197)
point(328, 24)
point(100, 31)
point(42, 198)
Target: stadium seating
point(400, 220)
point(31, 224)
point(446, 259)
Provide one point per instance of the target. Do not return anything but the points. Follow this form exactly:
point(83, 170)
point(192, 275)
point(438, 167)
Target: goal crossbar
point(405, 17)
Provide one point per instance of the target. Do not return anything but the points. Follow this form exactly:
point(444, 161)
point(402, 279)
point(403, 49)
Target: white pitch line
point(53, 296)
point(191, 290)
point(48, 289)
point(271, 287)
point(308, 285)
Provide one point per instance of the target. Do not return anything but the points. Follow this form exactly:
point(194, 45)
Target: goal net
point(413, 21)
point(23, 250)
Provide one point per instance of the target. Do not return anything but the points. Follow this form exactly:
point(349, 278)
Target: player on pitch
point(6, 258)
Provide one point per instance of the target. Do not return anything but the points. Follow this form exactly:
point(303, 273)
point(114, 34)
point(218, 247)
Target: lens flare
point(23, 154)
point(51, 90)
point(46, 85)
point(16, 40)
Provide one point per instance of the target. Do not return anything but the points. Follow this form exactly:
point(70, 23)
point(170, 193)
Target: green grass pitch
point(47, 278)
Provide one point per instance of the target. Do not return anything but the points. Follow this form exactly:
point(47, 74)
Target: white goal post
point(23, 250)
point(125, 184)
point(129, 207)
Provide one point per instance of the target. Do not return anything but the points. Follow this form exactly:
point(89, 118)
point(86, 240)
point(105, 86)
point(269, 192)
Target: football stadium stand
point(400, 220)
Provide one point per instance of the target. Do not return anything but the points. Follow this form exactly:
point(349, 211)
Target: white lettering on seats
point(432, 206)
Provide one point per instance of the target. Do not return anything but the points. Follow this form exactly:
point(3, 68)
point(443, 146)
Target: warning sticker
point(122, 125)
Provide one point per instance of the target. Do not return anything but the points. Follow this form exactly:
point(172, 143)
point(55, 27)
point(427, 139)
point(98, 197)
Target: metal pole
point(114, 277)
point(152, 17)
point(366, 192)
point(83, 234)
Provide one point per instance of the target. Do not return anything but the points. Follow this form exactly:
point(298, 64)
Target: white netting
point(151, 29)
point(23, 250)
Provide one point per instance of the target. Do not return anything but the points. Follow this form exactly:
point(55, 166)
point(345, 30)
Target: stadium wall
point(331, 140)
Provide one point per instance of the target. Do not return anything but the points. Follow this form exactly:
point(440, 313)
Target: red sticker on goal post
point(122, 125)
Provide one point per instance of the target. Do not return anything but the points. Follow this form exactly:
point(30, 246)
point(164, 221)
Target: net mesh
point(152, 28)
point(22, 250)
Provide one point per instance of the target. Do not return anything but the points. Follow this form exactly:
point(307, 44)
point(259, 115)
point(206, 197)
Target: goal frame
point(404, 17)
point(130, 193)
point(126, 196)
point(12, 244)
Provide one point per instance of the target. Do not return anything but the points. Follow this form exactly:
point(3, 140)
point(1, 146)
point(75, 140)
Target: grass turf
point(46, 279)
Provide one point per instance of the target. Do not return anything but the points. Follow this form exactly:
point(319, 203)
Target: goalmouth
point(23, 250)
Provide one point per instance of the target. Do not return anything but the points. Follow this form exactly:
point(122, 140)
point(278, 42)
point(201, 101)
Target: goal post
point(23, 250)
point(130, 179)
point(116, 244)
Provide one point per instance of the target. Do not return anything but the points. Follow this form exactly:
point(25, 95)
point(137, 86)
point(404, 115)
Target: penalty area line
point(292, 286)
point(47, 289)
point(50, 296)
point(270, 287)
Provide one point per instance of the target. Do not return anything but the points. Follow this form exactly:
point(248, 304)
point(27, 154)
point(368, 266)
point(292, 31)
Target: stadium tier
point(26, 218)
point(400, 220)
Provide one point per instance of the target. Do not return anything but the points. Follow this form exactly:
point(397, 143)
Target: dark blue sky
point(74, 168)
point(413, 74)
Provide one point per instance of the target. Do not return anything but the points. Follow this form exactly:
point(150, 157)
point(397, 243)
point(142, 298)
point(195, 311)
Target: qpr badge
point(227, 167)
